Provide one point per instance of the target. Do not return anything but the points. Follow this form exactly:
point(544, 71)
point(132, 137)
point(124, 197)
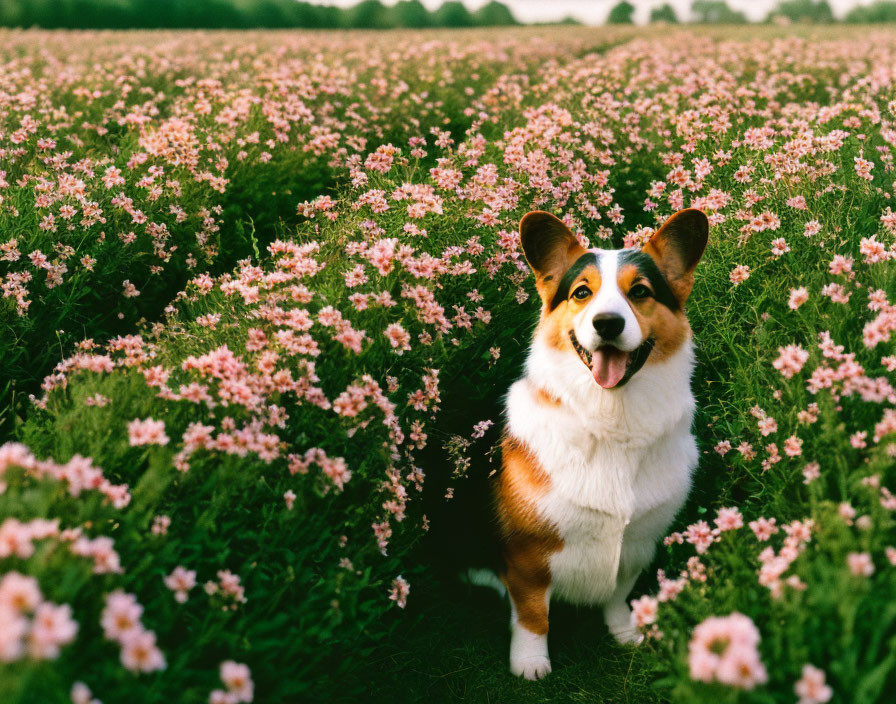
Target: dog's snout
point(609, 325)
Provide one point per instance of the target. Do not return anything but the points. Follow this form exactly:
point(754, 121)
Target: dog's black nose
point(609, 325)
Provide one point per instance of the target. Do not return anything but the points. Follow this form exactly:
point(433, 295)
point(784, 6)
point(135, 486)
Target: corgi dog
point(597, 454)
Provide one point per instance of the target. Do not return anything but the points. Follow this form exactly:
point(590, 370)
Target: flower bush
point(220, 504)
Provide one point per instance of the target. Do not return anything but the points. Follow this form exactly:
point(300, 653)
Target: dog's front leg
point(618, 615)
point(528, 582)
point(636, 555)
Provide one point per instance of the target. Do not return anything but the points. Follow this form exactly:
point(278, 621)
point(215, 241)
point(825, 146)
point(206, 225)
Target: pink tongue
point(608, 366)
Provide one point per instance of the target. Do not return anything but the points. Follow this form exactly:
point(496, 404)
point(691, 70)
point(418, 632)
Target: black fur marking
point(636, 360)
point(571, 275)
point(648, 268)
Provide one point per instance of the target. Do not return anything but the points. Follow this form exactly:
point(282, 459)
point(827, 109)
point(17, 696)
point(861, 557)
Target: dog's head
point(616, 309)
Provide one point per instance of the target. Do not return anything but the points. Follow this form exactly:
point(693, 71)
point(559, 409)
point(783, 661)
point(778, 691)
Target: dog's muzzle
point(604, 362)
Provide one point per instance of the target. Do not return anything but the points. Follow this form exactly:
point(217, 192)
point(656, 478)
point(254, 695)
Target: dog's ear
point(677, 247)
point(550, 248)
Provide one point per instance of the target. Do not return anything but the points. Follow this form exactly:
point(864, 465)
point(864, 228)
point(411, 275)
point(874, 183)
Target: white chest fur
point(619, 461)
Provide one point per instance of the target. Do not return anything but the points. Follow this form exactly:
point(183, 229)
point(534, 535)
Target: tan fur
point(528, 541)
point(669, 329)
point(558, 322)
point(546, 398)
point(550, 249)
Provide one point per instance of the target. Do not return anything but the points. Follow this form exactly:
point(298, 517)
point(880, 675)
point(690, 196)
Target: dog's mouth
point(610, 366)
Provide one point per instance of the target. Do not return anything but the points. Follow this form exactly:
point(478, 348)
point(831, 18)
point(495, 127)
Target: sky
point(595, 11)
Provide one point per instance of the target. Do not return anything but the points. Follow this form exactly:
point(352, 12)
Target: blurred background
point(417, 14)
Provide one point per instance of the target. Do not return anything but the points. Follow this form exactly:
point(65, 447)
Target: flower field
point(261, 296)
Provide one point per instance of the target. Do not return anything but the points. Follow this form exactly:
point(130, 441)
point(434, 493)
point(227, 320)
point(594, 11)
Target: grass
point(452, 646)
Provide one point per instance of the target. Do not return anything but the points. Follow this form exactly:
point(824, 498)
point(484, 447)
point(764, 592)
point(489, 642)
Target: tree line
point(805, 11)
point(370, 14)
point(243, 14)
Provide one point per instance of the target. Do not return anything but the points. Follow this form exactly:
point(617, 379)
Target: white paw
point(532, 668)
point(627, 635)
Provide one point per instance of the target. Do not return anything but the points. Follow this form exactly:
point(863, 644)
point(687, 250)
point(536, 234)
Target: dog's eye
point(639, 291)
point(581, 293)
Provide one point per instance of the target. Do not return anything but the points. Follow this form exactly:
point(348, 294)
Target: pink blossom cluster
point(147, 432)
point(163, 193)
point(18, 539)
point(229, 587)
point(725, 649)
point(121, 623)
point(238, 682)
point(79, 473)
point(774, 565)
point(399, 591)
point(811, 687)
point(31, 626)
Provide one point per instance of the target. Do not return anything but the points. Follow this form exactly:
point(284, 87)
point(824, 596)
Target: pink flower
point(121, 616)
point(764, 528)
point(337, 470)
point(181, 581)
point(873, 251)
point(219, 696)
point(780, 247)
point(51, 628)
point(860, 564)
point(139, 652)
point(724, 649)
point(798, 296)
point(398, 337)
point(230, 587)
point(811, 687)
point(793, 446)
point(481, 427)
point(289, 497)
point(670, 588)
point(13, 627)
point(841, 265)
point(19, 593)
point(790, 360)
point(891, 555)
point(15, 539)
point(836, 292)
point(81, 694)
point(739, 274)
point(147, 432)
point(809, 415)
point(746, 450)
point(238, 680)
point(700, 536)
point(644, 611)
point(160, 525)
point(399, 591)
point(811, 472)
point(863, 168)
point(767, 426)
point(729, 519)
